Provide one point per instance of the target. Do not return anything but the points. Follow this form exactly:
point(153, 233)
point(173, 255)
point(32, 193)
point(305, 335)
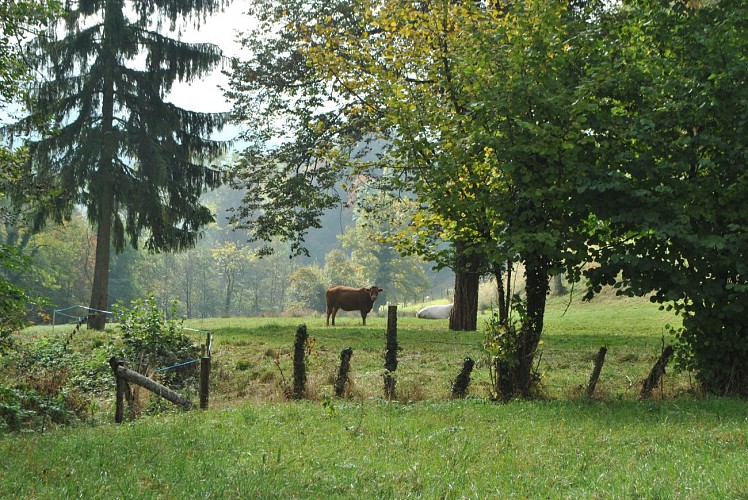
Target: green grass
point(253, 355)
point(253, 443)
point(372, 449)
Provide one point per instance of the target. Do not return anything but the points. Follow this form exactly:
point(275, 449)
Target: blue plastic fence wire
point(177, 365)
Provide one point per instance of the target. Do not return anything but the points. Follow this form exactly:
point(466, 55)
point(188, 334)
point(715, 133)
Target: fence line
point(79, 318)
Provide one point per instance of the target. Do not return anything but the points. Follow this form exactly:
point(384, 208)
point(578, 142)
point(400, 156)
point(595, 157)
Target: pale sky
point(221, 29)
point(205, 95)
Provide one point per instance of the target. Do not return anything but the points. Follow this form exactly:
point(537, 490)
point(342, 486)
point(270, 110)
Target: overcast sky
point(206, 95)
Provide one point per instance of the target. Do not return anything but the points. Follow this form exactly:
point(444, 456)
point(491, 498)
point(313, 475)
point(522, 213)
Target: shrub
point(502, 344)
point(152, 341)
point(26, 409)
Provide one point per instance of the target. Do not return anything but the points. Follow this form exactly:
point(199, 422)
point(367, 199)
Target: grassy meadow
point(252, 356)
point(254, 443)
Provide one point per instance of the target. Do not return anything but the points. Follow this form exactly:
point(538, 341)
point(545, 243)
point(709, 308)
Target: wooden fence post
point(119, 410)
point(123, 375)
point(204, 381)
point(596, 371)
point(299, 363)
point(205, 372)
point(345, 365)
point(658, 370)
point(390, 355)
point(461, 383)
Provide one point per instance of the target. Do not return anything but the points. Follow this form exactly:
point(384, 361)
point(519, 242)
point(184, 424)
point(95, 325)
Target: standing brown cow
point(350, 299)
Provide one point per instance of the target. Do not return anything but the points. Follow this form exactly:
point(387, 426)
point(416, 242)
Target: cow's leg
point(334, 312)
point(329, 312)
point(363, 317)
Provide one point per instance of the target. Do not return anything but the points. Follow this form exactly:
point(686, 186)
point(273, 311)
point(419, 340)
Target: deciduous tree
point(487, 120)
point(671, 86)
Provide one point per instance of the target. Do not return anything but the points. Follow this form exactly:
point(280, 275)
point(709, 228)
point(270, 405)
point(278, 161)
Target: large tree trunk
point(104, 188)
point(100, 287)
point(464, 316)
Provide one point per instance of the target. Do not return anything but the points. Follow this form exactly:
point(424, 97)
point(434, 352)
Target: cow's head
point(374, 292)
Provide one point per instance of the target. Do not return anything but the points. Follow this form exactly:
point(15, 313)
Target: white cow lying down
point(435, 312)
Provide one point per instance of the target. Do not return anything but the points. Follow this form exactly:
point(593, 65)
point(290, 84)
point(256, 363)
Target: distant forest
point(222, 275)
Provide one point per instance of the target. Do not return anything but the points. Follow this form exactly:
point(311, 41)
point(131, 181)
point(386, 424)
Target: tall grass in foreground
point(450, 449)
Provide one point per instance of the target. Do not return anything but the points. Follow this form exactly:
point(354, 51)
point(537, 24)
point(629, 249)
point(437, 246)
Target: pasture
point(252, 356)
point(253, 443)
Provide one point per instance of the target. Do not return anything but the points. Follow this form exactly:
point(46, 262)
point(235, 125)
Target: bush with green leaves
point(26, 409)
point(502, 344)
point(153, 340)
point(13, 299)
point(49, 382)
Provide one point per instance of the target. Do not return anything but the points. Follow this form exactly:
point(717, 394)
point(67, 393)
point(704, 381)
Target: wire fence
point(161, 370)
point(77, 317)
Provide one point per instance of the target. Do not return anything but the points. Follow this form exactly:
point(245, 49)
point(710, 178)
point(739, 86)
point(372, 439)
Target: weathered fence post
point(204, 381)
point(390, 355)
point(461, 383)
point(345, 365)
point(299, 363)
point(599, 360)
point(658, 370)
point(205, 373)
point(119, 411)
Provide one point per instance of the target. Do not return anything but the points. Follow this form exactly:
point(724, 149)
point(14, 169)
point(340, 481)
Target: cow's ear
point(380, 289)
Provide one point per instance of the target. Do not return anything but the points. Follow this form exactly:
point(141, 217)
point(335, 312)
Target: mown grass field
point(253, 443)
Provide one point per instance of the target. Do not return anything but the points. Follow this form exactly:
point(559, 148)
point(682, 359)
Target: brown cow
point(350, 299)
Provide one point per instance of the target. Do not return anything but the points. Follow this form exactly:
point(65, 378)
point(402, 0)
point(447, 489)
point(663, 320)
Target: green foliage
point(47, 381)
point(308, 285)
point(62, 259)
point(18, 18)
point(13, 299)
point(52, 365)
point(502, 344)
point(151, 341)
point(340, 269)
point(380, 218)
point(673, 214)
point(26, 409)
point(277, 92)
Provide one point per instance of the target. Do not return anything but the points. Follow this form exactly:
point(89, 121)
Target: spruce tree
point(136, 162)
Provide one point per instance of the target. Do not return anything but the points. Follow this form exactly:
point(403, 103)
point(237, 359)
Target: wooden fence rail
point(124, 375)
